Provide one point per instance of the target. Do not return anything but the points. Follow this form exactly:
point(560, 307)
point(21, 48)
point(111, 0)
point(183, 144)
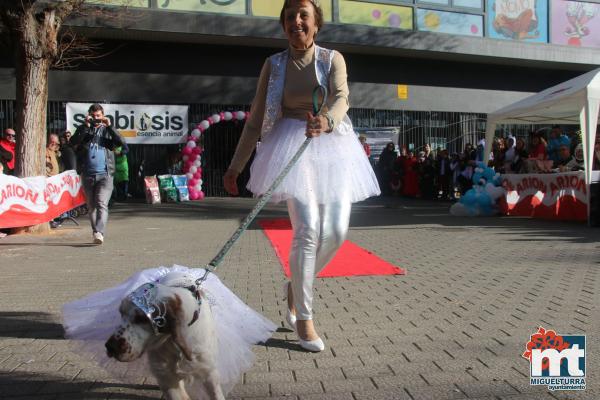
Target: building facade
point(431, 69)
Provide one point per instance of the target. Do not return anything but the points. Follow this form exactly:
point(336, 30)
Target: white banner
point(32, 201)
point(138, 123)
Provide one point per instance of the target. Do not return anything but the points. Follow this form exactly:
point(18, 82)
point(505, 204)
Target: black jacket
point(84, 137)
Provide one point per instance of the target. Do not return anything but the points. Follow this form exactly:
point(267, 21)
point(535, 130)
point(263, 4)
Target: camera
point(94, 121)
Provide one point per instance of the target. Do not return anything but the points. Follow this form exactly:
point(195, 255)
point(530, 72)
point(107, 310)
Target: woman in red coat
point(410, 179)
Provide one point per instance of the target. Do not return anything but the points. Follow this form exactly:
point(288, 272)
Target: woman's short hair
point(318, 11)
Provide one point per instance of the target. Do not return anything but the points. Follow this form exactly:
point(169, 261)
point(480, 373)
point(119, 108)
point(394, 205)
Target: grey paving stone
point(459, 319)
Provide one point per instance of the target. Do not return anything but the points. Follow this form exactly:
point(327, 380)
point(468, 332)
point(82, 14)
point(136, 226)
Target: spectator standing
point(410, 178)
point(7, 146)
point(52, 155)
point(365, 145)
point(426, 175)
point(385, 167)
point(121, 178)
point(557, 139)
point(444, 172)
point(455, 166)
point(68, 159)
point(94, 142)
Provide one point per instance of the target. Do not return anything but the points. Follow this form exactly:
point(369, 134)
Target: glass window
point(441, 2)
point(375, 14)
point(272, 8)
point(210, 6)
point(449, 22)
point(124, 3)
point(468, 3)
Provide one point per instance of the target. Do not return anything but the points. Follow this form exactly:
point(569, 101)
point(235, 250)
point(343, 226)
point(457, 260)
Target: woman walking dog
point(334, 171)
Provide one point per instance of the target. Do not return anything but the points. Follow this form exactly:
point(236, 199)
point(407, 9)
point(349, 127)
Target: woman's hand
point(230, 182)
point(315, 125)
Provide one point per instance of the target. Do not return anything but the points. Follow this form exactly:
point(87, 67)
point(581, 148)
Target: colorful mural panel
point(272, 8)
point(374, 14)
point(575, 23)
point(525, 20)
point(449, 22)
point(210, 6)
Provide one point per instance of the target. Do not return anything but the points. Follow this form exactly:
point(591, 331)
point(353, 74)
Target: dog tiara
point(144, 298)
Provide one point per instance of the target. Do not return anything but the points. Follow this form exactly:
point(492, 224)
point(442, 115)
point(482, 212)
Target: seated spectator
point(577, 163)
point(7, 150)
point(564, 158)
point(557, 139)
point(510, 154)
point(538, 147)
point(518, 165)
point(498, 155)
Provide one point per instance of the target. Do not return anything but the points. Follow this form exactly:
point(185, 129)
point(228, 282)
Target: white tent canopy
point(572, 102)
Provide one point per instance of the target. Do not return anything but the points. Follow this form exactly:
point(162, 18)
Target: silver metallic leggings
point(319, 231)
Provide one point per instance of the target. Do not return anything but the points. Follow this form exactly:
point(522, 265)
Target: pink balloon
point(198, 175)
point(247, 114)
point(187, 151)
point(199, 170)
point(192, 182)
point(192, 157)
point(210, 120)
point(222, 115)
point(197, 150)
point(200, 195)
point(193, 195)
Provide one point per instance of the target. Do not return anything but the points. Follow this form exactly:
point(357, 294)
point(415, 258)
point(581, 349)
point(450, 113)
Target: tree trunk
point(32, 67)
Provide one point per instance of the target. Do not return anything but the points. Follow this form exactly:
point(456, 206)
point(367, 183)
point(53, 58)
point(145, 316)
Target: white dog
point(174, 326)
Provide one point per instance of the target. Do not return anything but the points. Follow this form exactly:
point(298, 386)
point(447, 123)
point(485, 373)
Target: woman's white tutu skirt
point(92, 319)
point(334, 166)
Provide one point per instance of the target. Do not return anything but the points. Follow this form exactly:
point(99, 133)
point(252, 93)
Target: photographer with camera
point(94, 142)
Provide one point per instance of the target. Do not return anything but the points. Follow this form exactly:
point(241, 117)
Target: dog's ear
point(177, 325)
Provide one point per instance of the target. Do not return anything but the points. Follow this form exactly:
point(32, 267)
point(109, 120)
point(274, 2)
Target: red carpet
point(350, 260)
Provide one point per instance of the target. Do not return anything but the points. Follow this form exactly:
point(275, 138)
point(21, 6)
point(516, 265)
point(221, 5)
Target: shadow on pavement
point(29, 325)
point(36, 385)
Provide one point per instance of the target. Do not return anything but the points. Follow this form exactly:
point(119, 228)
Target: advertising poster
point(272, 8)
point(575, 23)
point(374, 14)
point(138, 123)
point(211, 6)
point(525, 20)
point(449, 22)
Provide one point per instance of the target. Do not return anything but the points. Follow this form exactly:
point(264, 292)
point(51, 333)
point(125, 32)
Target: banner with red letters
point(35, 200)
point(551, 196)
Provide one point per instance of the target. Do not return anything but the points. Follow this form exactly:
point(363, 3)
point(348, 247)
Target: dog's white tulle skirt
point(91, 320)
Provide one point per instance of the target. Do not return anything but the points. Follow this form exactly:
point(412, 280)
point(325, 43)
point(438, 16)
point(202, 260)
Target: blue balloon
point(476, 177)
point(484, 200)
point(489, 174)
point(469, 199)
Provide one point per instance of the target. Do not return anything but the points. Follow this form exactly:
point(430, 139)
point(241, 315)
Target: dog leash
point(214, 263)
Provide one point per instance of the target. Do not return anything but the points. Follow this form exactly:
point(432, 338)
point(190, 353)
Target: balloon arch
point(192, 152)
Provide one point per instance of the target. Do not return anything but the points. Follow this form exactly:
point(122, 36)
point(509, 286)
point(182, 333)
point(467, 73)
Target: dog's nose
point(113, 346)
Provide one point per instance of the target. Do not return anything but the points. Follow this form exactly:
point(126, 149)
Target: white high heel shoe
point(289, 317)
point(312, 345)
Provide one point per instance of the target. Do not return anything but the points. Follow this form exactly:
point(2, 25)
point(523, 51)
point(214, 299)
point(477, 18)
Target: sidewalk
point(454, 327)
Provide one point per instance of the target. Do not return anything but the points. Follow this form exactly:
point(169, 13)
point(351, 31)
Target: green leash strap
point(214, 263)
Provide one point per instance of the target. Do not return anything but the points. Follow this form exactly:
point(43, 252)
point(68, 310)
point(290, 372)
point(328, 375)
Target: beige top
point(300, 80)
